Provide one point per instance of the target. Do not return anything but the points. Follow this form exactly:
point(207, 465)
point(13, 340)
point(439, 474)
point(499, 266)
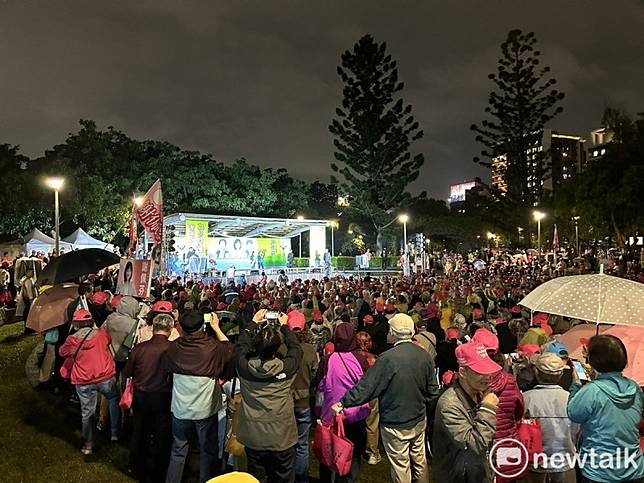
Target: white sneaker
point(374, 459)
point(87, 449)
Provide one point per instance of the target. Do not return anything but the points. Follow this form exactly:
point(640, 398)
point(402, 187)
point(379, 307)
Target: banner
point(135, 277)
point(197, 236)
point(134, 231)
point(150, 213)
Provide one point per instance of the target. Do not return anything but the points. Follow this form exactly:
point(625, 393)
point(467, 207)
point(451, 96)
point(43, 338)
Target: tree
point(373, 132)
point(523, 101)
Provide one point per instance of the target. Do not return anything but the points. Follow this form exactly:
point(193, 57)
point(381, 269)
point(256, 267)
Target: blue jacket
point(609, 410)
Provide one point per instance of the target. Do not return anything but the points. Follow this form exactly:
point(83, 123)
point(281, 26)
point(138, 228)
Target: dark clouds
point(258, 78)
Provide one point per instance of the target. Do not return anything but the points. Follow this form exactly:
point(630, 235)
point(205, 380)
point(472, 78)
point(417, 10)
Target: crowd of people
point(436, 369)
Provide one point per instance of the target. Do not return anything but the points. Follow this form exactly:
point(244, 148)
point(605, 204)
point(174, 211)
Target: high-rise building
point(566, 157)
point(600, 143)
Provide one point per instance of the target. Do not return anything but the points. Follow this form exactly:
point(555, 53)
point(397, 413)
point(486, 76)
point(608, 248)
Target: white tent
point(80, 240)
point(38, 241)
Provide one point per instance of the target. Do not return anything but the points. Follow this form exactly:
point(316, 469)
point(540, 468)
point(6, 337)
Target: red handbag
point(531, 436)
point(128, 395)
point(331, 448)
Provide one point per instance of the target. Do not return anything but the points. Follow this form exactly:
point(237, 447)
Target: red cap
point(474, 356)
point(116, 300)
point(317, 316)
point(547, 329)
point(183, 295)
point(487, 339)
point(82, 315)
point(500, 321)
point(296, 320)
point(221, 306)
point(100, 298)
point(529, 349)
point(540, 318)
point(368, 320)
point(477, 314)
point(452, 334)
point(329, 348)
point(162, 307)
point(516, 310)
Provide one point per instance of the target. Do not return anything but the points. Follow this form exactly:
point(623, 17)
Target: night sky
point(258, 78)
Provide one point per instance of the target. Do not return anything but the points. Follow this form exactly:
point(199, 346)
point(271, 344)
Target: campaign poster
point(135, 277)
point(197, 235)
point(247, 253)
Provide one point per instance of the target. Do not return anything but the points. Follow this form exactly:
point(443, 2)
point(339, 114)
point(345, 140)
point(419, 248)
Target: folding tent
point(80, 240)
point(38, 241)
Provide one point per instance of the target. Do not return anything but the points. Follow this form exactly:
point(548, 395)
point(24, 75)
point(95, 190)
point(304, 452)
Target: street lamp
point(333, 224)
point(56, 184)
point(300, 218)
point(538, 216)
point(576, 220)
point(404, 219)
point(137, 201)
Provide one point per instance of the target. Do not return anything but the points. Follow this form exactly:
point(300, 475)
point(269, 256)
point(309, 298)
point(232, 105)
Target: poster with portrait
point(135, 277)
point(248, 253)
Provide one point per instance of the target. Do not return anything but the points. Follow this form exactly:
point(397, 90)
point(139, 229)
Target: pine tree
point(373, 132)
point(523, 101)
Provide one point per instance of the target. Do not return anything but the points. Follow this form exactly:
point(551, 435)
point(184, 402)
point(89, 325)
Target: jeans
point(87, 394)
point(151, 435)
point(303, 421)
point(272, 466)
point(207, 436)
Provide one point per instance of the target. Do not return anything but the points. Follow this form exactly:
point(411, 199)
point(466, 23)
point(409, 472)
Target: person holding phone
point(609, 410)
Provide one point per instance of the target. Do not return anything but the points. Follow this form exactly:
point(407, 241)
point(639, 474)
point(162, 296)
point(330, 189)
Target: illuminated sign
point(457, 191)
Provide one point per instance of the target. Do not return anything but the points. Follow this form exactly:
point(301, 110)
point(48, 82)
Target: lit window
point(595, 153)
point(603, 151)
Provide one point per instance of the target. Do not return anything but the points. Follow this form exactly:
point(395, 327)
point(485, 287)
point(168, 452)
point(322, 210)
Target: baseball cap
point(558, 349)
point(82, 315)
point(162, 307)
point(477, 314)
point(516, 310)
point(317, 316)
point(474, 356)
point(487, 339)
point(296, 320)
point(549, 363)
point(191, 321)
point(402, 324)
point(116, 300)
point(452, 334)
point(100, 298)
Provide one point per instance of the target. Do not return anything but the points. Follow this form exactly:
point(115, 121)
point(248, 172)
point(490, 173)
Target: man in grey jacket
point(403, 380)
point(465, 421)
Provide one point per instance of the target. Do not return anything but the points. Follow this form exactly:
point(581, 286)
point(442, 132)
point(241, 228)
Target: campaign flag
point(150, 213)
point(555, 240)
point(134, 232)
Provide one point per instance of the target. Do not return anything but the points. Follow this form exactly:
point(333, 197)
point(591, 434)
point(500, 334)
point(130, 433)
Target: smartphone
point(271, 315)
point(581, 372)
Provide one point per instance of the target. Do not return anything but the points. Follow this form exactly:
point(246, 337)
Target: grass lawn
point(40, 435)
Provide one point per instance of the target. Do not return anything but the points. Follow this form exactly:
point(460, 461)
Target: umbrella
point(49, 309)
point(595, 298)
point(572, 338)
point(633, 339)
point(70, 266)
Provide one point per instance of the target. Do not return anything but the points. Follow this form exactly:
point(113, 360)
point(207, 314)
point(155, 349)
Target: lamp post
point(404, 219)
point(300, 218)
point(333, 224)
point(576, 219)
point(519, 229)
point(538, 216)
point(56, 184)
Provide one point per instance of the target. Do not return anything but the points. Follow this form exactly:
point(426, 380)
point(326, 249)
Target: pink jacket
point(337, 382)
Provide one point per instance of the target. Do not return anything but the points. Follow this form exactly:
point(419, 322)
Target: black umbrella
point(70, 266)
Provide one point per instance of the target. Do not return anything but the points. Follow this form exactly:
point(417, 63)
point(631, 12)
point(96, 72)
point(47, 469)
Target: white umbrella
point(595, 298)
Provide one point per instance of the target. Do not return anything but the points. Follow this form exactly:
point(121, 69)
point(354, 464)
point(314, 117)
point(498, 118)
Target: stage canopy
point(245, 242)
point(246, 227)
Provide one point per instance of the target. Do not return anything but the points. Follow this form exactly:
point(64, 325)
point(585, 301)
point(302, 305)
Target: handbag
point(233, 446)
point(332, 448)
point(530, 435)
point(128, 396)
point(68, 365)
